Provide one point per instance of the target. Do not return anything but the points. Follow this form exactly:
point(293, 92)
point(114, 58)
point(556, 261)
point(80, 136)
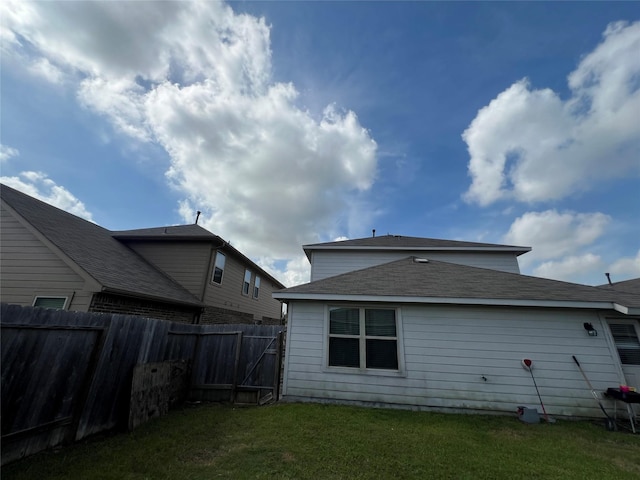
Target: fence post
point(236, 364)
point(278, 366)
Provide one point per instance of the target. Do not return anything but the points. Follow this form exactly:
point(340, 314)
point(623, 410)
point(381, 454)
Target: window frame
point(215, 265)
point(64, 299)
point(624, 321)
point(256, 286)
point(363, 370)
point(246, 283)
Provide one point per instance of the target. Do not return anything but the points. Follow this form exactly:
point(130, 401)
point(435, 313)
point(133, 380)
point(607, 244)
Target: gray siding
point(30, 268)
point(187, 263)
point(448, 351)
point(329, 263)
point(229, 295)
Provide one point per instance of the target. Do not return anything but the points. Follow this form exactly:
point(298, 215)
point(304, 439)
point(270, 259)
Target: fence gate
point(261, 381)
point(235, 366)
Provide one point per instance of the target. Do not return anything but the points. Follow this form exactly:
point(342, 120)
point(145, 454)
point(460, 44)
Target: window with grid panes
point(361, 337)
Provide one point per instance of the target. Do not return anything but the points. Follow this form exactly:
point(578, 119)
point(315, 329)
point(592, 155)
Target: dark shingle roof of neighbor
point(177, 232)
point(627, 286)
point(92, 248)
point(435, 279)
point(400, 242)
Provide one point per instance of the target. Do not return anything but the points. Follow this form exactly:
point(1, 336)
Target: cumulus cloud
point(574, 268)
point(531, 145)
point(195, 78)
point(553, 234)
point(40, 186)
point(628, 267)
point(7, 152)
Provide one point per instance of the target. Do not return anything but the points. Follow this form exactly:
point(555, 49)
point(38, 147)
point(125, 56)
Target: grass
point(308, 441)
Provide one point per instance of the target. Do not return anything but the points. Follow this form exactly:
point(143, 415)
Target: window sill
point(365, 371)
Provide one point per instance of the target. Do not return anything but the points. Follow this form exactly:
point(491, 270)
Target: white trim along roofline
point(459, 301)
point(459, 249)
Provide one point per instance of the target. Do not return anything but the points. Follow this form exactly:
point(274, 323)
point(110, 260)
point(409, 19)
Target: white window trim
point(244, 281)
point(401, 372)
point(64, 305)
point(625, 321)
point(213, 272)
point(257, 284)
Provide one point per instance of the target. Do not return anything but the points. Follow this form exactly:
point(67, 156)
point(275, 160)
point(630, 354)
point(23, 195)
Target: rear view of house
point(53, 259)
point(437, 324)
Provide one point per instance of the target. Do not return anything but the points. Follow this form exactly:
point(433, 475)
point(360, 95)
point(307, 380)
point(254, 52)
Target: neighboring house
point(53, 259)
point(422, 333)
point(334, 258)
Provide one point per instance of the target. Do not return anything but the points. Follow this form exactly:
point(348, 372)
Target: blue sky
point(289, 123)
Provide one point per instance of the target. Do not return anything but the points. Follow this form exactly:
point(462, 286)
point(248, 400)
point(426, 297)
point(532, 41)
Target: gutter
point(167, 300)
point(458, 301)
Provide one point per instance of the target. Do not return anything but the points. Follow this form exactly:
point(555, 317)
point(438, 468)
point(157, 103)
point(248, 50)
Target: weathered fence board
point(68, 375)
point(150, 391)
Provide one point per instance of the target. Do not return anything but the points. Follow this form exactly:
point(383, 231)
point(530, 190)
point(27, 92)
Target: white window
point(246, 285)
point(218, 268)
point(364, 338)
point(625, 336)
point(256, 287)
point(57, 303)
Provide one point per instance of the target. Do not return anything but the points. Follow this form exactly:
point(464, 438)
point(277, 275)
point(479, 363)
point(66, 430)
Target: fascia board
point(445, 300)
point(426, 249)
point(626, 310)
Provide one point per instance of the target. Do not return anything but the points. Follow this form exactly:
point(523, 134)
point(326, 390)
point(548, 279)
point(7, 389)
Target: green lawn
point(307, 441)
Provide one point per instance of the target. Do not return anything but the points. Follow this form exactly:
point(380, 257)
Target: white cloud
point(531, 145)
point(45, 69)
point(552, 234)
point(7, 152)
point(574, 268)
point(196, 78)
point(624, 268)
point(40, 186)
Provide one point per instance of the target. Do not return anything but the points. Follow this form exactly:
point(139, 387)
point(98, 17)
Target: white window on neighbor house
point(363, 338)
point(246, 285)
point(626, 336)
point(218, 268)
point(57, 303)
point(256, 287)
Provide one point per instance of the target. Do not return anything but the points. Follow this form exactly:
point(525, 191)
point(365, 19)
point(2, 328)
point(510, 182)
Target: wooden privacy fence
point(68, 375)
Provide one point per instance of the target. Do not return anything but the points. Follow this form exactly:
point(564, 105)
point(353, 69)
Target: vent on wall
point(420, 260)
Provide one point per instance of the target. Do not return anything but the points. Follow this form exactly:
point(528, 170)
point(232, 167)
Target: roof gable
point(190, 233)
point(113, 265)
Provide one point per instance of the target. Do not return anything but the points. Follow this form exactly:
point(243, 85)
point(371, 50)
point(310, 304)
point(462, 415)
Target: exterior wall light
point(590, 330)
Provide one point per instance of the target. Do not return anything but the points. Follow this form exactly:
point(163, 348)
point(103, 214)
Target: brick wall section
point(215, 315)
point(109, 303)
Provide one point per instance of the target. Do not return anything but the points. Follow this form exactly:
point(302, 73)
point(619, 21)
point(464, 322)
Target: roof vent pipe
point(374, 232)
point(608, 278)
point(198, 216)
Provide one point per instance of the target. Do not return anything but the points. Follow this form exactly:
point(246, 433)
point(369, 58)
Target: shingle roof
point(628, 286)
point(177, 232)
point(116, 267)
point(399, 242)
point(434, 279)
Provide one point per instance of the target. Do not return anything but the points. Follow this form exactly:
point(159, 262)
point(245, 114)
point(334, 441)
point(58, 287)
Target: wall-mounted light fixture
point(590, 330)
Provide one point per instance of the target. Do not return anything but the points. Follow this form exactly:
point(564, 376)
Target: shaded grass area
point(309, 441)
